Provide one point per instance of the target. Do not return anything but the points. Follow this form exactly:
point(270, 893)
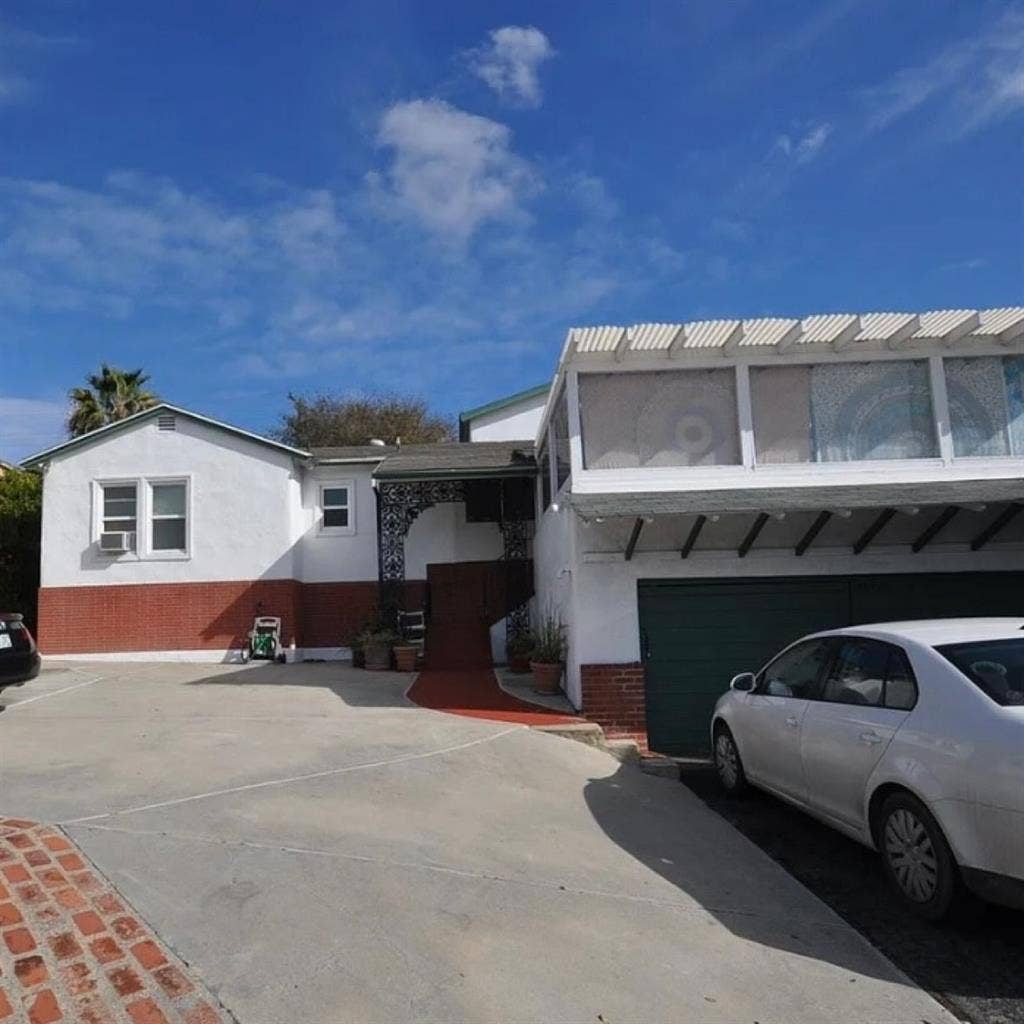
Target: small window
point(170, 517)
point(795, 672)
point(336, 504)
point(900, 685)
point(858, 674)
point(120, 504)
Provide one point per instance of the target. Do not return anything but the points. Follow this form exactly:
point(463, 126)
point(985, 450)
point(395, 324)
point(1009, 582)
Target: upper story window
point(120, 508)
point(544, 474)
point(336, 506)
point(843, 412)
point(986, 405)
point(169, 517)
point(560, 439)
point(661, 418)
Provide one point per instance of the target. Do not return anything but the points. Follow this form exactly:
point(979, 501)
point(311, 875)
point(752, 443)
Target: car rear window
point(994, 666)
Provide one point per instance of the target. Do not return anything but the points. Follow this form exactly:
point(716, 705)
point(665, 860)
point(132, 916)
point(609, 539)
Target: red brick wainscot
point(613, 696)
point(212, 616)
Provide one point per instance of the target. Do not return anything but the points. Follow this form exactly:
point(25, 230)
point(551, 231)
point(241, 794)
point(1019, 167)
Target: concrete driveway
point(320, 850)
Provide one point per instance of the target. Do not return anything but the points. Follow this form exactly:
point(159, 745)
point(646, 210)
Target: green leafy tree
point(323, 421)
point(111, 395)
point(21, 504)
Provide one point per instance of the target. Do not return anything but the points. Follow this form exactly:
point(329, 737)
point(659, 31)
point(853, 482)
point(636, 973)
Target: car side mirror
point(743, 683)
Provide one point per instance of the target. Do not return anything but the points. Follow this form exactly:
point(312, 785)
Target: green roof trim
point(165, 408)
point(501, 403)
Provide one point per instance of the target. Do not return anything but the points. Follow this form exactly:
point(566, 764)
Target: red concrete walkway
point(475, 693)
point(72, 950)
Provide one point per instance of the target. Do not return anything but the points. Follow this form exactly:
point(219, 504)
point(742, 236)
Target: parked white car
point(907, 736)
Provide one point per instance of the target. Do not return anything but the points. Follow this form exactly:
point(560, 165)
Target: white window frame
point(98, 516)
point(170, 555)
point(336, 531)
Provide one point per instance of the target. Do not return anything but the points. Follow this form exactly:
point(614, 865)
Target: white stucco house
point(691, 496)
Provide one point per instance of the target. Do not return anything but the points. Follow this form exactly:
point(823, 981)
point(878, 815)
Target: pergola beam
point(936, 525)
point(752, 533)
point(873, 530)
point(692, 536)
point(638, 525)
point(815, 528)
point(1003, 519)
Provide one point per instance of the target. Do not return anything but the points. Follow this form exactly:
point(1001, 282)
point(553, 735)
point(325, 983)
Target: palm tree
point(112, 395)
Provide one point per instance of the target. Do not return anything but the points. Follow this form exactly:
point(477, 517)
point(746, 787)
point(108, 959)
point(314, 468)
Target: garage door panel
point(698, 635)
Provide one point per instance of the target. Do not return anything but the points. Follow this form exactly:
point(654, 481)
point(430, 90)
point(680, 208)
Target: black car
point(19, 659)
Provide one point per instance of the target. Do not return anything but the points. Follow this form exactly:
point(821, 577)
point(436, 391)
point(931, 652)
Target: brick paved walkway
point(73, 950)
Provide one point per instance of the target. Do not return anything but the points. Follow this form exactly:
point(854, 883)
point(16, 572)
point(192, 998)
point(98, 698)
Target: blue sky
point(423, 197)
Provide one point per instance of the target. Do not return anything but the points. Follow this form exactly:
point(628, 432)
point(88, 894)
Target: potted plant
point(405, 656)
point(376, 643)
point(518, 650)
point(548, 654)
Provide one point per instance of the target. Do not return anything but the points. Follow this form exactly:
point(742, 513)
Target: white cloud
point(28, 425)
point(806, 146)
point(509, 63)
point(451, 170)
point(970, 84)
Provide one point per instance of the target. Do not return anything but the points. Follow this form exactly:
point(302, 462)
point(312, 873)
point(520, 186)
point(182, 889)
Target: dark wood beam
point(693, 535)
point(748, 541)
point(937, 524)
point(634, 537)
point(873, 530)
point(1003, 519)
point(816, 527)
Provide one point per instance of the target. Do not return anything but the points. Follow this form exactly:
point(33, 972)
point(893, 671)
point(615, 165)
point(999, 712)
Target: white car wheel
point(911, 856)
point(917, 857)
point(728, 763)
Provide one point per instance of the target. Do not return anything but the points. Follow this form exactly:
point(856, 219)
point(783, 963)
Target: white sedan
point(906, 736)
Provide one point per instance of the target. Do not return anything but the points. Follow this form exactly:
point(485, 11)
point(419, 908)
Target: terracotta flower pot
point(377, 657)
point(546, 677)
point(405, 658)
point(519, 664)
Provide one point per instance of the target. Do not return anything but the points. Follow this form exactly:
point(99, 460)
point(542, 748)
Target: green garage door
point(696, 635)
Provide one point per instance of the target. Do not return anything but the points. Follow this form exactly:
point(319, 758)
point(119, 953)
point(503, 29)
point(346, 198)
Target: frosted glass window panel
point(169, 500)
point(666, 418)
point(1013, 374)
point(781, 403)
point(560, 432)
point(977, 406)
point(872, 410)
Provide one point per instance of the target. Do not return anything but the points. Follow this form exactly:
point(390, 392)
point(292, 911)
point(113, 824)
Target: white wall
point(242, 497)
point(607, 625)
point(441, 534)
point(517, 422)
point(556, 584)
point(327, 556)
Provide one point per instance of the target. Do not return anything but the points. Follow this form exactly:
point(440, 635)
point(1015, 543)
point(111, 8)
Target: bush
point(21, 503)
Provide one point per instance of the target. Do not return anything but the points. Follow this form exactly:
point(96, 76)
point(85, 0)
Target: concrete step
point(583, 732)
point(660, 765)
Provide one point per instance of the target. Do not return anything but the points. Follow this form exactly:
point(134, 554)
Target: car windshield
point(995, 666)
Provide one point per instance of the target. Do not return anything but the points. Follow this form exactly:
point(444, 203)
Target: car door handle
point(870, 738)
point(793, 721)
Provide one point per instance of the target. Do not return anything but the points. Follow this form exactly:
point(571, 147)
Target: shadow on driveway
point(976, 966)
point(356, 687)
point(702, 857)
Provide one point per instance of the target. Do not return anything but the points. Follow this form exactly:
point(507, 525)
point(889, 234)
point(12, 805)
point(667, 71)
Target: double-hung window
point(169, 513)
point(120, 508)
point(336, 505)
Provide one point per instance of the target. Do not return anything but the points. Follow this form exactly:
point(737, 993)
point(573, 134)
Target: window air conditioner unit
point(117, 543)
